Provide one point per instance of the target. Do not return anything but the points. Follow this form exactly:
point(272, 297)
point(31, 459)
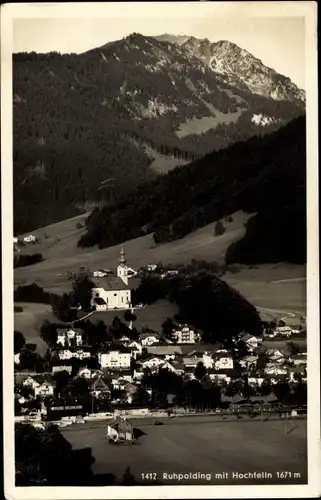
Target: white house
point(148, 339)
point(299, 359)
point(286, 331)
point(296, 372)
point(80, 354)
point(251, 341)
point(274, 369)
point(115, 359)
point(185, 335)
point(223, 361)
point(255, 379)
point(151, 362)
point(62, 368)
point(29, 239)
point(275, 355)
point(219, 376)
point(100, 273)
point(248, 362)
point(124, 340)
point(112, 292)
point(136, 349)
point(41, 385)
point(87, 373)
point(68, 337)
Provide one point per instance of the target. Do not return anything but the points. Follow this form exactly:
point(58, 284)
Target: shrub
point(219, 228)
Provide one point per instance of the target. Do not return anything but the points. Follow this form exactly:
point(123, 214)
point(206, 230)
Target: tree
point(61, 382)
point(19, 342)
point(82, 291)
point(200, 371)
point(130, 318)
point(293, 348)
point(128, 478)
point(219, 228)
point(61, 307)
point(167, 327)
point(48, 333)
point(265, 389)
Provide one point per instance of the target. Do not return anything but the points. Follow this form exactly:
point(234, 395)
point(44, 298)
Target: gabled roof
point(110, 283)
point(150, 334)
point(41, 379)
point(99, 385)
point(99, 301)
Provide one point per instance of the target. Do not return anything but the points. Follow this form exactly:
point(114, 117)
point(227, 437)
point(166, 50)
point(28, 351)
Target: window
point(115, 294)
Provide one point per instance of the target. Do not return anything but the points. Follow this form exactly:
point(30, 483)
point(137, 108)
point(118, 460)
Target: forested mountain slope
point(264, 176)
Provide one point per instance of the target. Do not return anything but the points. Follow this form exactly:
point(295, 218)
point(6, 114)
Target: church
point(112, 292)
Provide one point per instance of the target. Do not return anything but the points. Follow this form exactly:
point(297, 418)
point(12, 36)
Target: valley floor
point(204, 444)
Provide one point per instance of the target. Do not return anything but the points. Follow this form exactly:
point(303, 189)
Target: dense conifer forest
point(263, 176)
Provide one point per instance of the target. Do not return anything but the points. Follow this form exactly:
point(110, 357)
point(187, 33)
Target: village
point(141, 372)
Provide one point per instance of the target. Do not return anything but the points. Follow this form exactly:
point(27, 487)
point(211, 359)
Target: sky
point(278, 41)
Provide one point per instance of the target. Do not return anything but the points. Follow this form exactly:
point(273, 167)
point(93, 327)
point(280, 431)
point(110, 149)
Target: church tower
point(122, 268)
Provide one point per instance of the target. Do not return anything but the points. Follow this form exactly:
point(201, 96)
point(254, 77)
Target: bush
point(219, 228)
point(27, 260)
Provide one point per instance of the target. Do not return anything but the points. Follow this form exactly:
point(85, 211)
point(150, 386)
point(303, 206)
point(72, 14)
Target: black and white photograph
point(160, 248)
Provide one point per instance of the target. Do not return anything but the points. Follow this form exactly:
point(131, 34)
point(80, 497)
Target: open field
point(205, 444)
point(278, 287)
point(152, 316)
point(29, 322)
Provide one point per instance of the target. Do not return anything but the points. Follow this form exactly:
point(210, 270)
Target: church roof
point(99, 300)
point(110, 283)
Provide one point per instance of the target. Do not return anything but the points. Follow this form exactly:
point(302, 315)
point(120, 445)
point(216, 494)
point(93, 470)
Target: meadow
point(203, 444)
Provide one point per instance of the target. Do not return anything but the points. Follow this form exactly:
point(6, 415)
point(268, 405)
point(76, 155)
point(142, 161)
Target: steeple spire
point(122, 255)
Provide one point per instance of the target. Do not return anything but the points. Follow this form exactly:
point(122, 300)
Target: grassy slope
point(261, 285)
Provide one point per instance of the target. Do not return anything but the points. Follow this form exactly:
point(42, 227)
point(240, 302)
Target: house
point(148, 339)
point(296, 373)
point(223, 361)
point(275, 355)
point(219, 375)
point(120, 381)
point(61, 368)
point(299, 359)
point(115, 359)
point(65, 354)
point(87, 373)
point(138, 373)
point(285, 331)
point(151, 362)
point(251, 341)
point(183, 334)
point(70, 337)
point(151, 267)
point(29, 239)
point(130, 390)
point(42, 385)
point(112, 292)
point(100, 273)
point(255, 379)
point(124, 340)
point(274, 369)
point(277, 378)
point(99, 387)
point(135, 348)
point(248, 362)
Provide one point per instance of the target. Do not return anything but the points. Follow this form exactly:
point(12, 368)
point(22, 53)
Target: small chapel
point(112, 292)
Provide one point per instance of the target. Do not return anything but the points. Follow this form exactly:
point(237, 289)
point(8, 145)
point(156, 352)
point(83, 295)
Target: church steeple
point(122, 256)
point(122, 268)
